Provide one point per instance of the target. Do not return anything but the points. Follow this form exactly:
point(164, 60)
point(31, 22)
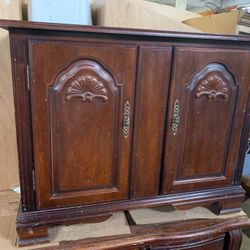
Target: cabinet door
point(82, 108)
point(208, 97)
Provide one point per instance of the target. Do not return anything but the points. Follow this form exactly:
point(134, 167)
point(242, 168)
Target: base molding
point(34, 224)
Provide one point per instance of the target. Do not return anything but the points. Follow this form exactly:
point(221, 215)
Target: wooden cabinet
point(113, 119)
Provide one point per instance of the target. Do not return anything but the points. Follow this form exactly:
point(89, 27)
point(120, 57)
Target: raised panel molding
point(213, 83)
point(87, 81)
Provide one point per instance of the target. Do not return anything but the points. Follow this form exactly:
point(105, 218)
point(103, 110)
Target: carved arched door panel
point(202, 135)
point(82, 103)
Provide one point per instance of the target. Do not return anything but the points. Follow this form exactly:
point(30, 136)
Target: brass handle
point(126, 119)
point(176, 117)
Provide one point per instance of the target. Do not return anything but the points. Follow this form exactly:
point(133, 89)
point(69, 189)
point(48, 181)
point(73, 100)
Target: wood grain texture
point(151, 103)
point(23, 127)
point(87, 86)
point(8, 149)
point(212, 86)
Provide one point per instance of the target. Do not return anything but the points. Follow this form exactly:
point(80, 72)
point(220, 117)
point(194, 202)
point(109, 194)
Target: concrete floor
point(199, 6)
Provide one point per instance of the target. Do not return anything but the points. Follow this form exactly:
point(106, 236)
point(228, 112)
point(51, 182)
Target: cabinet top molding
point(28, 25)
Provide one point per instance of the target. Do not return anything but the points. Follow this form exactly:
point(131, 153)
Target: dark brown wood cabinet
point(113, 119)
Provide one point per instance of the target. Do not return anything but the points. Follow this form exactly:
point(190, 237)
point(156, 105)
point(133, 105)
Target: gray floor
point(198, 6)
point(246, 235)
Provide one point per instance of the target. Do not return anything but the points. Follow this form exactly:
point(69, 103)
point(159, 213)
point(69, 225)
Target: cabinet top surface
point(31, 26)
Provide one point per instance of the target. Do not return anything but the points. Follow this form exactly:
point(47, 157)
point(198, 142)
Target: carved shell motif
point(212, 87)
point(87, 88)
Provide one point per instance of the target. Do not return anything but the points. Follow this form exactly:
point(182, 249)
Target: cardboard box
point(9, 9)
point(224, 23)
point(148, 15)
point(141, 14)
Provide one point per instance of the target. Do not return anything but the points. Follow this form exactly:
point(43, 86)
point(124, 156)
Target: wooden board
point(9, 9)
point(141, 14)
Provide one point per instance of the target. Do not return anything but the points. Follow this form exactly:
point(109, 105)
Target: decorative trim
point(214, 81)
point(85, 66)
point(213, 87)
point(60, 215)
point(87, 88)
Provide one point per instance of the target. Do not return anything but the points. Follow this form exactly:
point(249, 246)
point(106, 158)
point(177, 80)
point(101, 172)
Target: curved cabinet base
point(202, 234)
point(32, 225)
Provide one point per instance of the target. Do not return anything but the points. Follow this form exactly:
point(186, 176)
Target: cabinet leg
point(234, 240)
point(229, 206)
point(32, 236)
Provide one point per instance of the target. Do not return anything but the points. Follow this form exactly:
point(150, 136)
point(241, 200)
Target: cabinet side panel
point(23, 124)
point(152, 90)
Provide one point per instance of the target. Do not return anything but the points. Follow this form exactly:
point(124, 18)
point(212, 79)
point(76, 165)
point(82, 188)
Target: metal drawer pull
point(176, 117)
point(126, 119)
